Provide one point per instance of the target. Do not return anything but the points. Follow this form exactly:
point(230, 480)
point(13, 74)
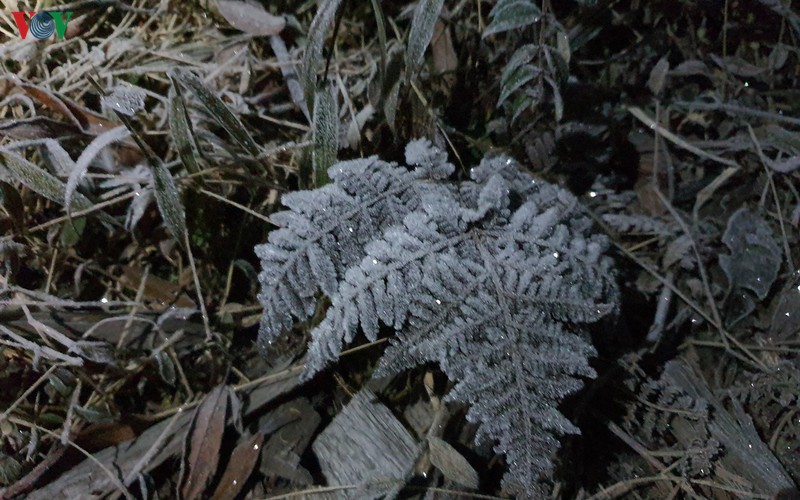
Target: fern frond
point(490, 279)
point(325, 230)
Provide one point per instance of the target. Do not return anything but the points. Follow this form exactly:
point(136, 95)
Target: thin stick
point(764, 163)
point(237, 205)
point(652, 125)
point(199, 291)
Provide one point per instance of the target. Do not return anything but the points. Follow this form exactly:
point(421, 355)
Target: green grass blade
point(317, 32)
point(419, 37)
point(326, 134)
point(218, 110)
point(45, 184)
point(181, 129)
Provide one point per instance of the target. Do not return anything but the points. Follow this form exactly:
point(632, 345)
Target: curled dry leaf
point(290, 75)
point(755, 256)
point(37, 127)
point(737, 66)
point(80, 166)
point(786, 165)
point(86, 120)
point(250, 17)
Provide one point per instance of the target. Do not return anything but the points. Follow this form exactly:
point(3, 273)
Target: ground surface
point(143, 153)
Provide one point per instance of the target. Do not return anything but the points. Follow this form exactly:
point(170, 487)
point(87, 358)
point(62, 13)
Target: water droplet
point(350, 229)
point(555, 254)
point(438, 301)
point(105, 301)
point(592, 194)
point(375, 261)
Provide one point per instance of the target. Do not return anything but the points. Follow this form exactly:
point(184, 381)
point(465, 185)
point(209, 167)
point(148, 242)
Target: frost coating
point(126, 100)
point(490, 278)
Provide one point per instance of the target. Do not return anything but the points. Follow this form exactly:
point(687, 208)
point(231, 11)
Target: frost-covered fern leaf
point(490, 279)
point(325, 230)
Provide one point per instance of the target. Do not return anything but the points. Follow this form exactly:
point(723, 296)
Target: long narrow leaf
point(181, 129)
point(512, 14)
point(317, 32)
point(419, 37)
point(517, 79)
point(169, 200)
point(326, 135)
point(523, 55)
point(289, 72)
point(168, 197)
point(218, 110)
point(42, 182)
point(380, 22)
point(201, 454)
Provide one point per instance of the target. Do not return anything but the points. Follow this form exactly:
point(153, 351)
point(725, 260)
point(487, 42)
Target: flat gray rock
point(366, 450)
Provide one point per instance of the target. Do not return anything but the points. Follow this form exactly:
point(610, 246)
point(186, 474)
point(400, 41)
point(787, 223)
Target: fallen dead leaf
point(243, 460)
point(250, 17)
point(201, 453)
